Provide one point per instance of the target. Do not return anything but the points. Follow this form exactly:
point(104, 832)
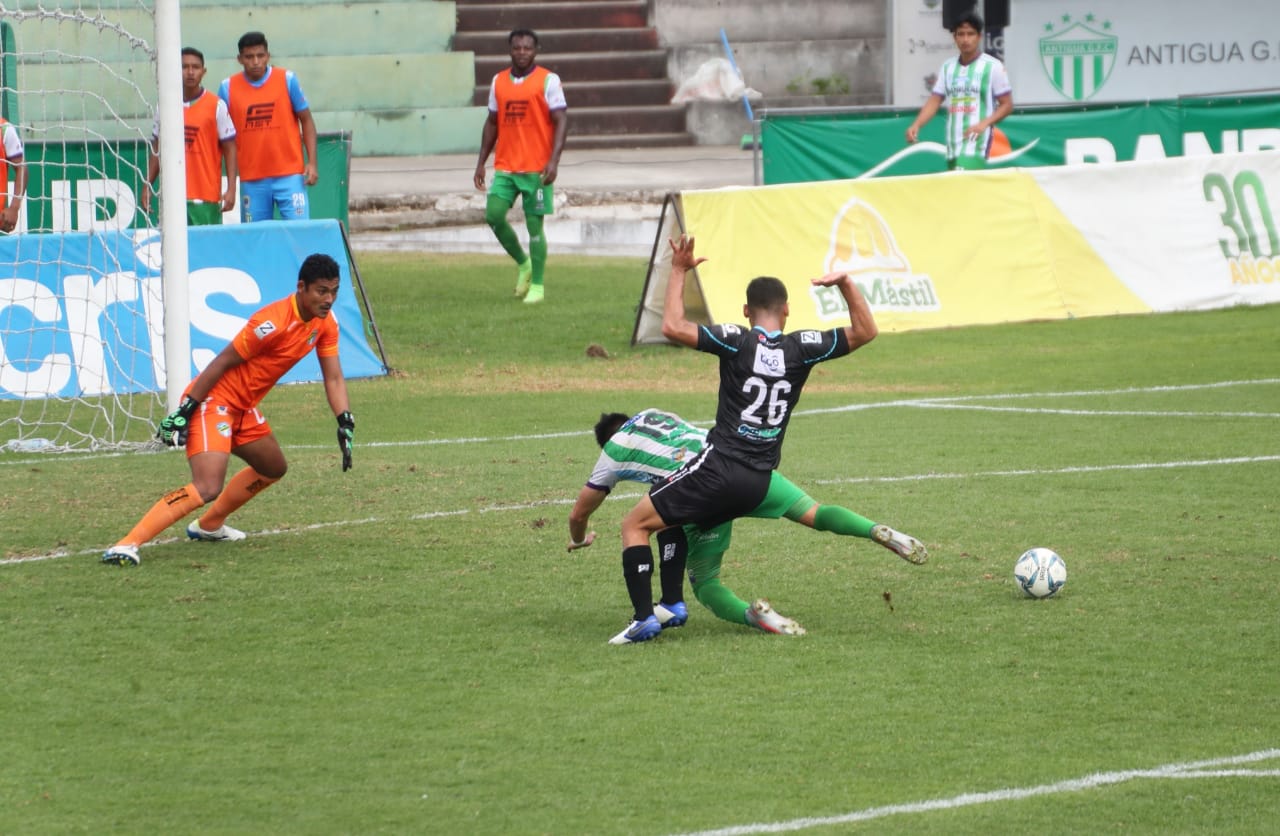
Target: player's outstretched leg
point(172, 507)
point(763, 617)
point(903, 545)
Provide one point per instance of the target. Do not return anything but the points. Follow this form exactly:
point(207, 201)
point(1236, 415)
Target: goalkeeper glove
point(173, 429)
point(346, 434)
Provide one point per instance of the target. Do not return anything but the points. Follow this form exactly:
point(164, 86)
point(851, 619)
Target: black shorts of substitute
point(710, 489)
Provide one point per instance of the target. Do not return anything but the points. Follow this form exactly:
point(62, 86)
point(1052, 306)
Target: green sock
point(537, 246)
point(842, 521)
point(495, 215)
point(718, 598)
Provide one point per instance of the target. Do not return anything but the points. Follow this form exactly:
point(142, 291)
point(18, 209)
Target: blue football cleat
point(671, 615)
point(638, 631)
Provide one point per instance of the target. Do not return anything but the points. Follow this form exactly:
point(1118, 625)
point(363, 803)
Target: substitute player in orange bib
point(527, 122)
point(210, 139)
point(270, 113)
point(219, 413)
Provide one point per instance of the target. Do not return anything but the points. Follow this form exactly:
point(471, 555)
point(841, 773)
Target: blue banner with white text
point(81, 314)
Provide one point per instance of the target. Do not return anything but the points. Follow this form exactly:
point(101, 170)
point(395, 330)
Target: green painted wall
point(382, 70)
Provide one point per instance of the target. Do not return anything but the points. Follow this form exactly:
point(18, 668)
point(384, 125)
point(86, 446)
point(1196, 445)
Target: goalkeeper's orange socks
point(243, 487)
point(172, 507)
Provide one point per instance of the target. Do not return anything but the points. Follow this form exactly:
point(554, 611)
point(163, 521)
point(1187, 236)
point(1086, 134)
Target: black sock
point(671, 565)
point(637, 571)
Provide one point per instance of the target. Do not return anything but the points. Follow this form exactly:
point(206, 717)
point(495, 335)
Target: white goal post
point(81, 82)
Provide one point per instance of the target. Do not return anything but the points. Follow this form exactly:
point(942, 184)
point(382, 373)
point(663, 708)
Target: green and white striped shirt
point(648, 448)
point(970, 91)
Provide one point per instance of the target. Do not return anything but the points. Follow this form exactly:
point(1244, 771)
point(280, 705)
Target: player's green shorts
point(967, 162)
point(537, 198)
point(707, 548)
point(784, 499)
point(203, 213)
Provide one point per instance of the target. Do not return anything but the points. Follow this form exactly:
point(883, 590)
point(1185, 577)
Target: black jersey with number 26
point(761, 376)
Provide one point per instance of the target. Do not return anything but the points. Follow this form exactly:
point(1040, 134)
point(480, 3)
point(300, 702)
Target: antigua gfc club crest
point(1078, 55)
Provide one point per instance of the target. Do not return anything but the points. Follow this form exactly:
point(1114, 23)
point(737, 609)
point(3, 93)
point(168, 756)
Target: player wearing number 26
point(762, 372)
point(219, 413)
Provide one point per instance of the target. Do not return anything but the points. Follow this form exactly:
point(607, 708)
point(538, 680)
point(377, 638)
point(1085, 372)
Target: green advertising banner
point(94, 186)
point(809, 146)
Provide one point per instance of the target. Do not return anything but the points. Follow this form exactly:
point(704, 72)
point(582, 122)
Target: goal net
point(82, 313)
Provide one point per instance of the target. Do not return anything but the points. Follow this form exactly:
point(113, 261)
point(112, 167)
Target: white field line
point(620, 495)
point(926, 403)
point(1057, 471)
point(1149, 413)
point(1195, 769)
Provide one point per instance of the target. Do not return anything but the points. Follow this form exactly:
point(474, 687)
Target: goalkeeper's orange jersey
point(272, 342)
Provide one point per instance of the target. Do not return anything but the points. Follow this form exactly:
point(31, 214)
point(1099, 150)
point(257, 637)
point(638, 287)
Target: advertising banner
point(96, 186)
point(805, 147)
point(999, 246)
point(82, 314)
point(1059, 51)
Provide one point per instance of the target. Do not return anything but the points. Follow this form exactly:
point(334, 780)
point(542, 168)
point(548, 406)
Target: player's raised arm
point(862, 325)
point(675, 326)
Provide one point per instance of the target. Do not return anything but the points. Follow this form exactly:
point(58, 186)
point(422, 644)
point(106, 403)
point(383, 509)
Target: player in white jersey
point(978, 95)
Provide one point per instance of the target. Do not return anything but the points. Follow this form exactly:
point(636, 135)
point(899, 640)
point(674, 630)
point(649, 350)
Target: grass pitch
point(408, 648)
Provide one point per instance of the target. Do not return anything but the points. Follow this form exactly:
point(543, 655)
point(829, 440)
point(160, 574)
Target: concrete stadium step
point(606, 121)
point(614, 141)
point(585, 66)
point(561, 40)
point(618, 93)
point(541, 15)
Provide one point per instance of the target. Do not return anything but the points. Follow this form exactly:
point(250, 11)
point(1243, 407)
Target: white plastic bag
point(715, 81)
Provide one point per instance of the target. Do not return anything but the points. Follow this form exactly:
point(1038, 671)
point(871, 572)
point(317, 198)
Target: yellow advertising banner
point(927, 252)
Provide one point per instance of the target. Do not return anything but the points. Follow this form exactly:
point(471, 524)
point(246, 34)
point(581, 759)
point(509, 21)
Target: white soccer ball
point(1040, 572)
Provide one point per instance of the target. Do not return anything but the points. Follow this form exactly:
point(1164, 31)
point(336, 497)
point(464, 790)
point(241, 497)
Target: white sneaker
point(903, 545)
point(763, 617)
point(122, 555)
point(222, 533)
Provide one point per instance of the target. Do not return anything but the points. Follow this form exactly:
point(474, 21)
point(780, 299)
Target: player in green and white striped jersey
point(651, 446)
point(978, 93)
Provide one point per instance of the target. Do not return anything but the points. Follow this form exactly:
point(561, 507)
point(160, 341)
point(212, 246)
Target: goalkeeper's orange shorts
point(218, 428)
